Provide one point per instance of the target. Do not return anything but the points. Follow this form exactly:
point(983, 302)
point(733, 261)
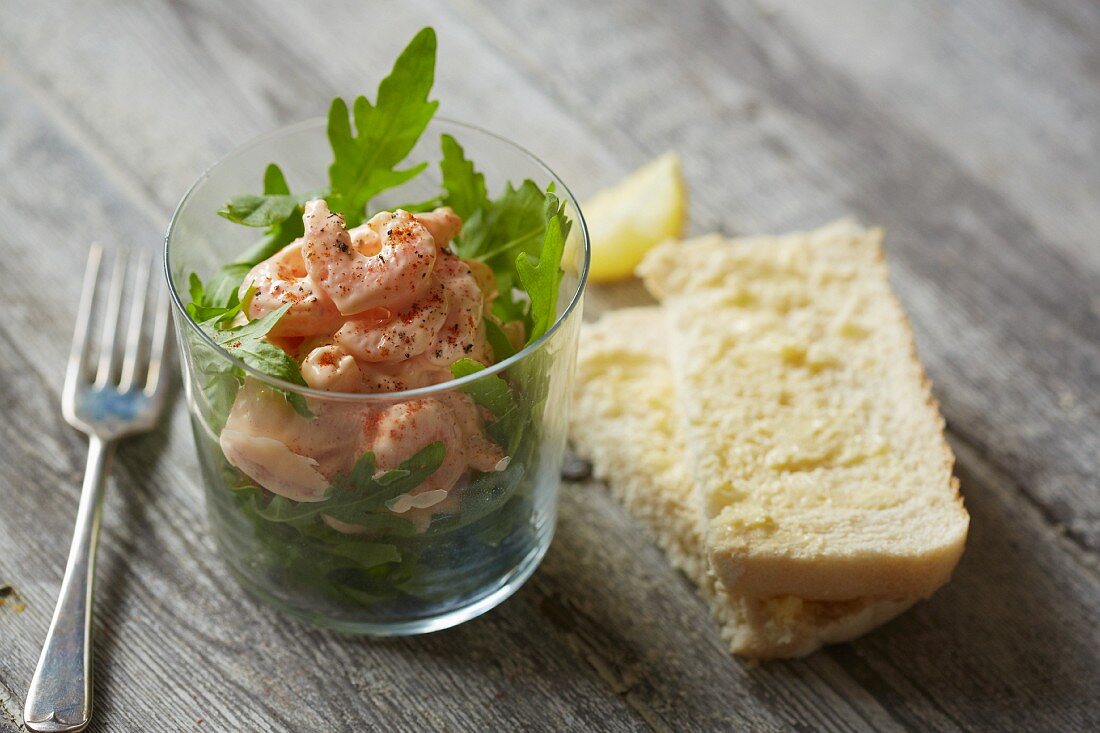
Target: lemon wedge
point(633, 216)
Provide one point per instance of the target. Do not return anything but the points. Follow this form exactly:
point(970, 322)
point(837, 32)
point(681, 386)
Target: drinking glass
point(359, 566)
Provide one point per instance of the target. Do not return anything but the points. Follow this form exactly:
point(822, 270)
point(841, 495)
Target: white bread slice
point(625, 422)
point(815, 446)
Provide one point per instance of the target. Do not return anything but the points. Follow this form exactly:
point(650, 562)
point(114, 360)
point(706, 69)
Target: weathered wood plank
point(110, 110)
point(1003, 88)
point(151, 661)
point(177, 639)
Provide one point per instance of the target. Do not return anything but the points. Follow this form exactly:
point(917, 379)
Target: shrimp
point(443, 224)
point(486, 281)
point(395, 277)
point(417, 372)
point(400, 431)
point(330, 367)
point(381, 335)
point(463, 333)
point(281, 279)
point(482, 454)
point(283, 452)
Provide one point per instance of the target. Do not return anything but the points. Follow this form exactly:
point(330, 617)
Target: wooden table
point(970, 130)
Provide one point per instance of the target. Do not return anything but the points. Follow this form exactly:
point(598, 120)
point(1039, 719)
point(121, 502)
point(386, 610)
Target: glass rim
point(450, 384)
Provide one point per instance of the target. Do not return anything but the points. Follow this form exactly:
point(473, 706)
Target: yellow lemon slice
point(630, 218)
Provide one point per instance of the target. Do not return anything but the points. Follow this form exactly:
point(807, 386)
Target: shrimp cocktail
point(378, 353)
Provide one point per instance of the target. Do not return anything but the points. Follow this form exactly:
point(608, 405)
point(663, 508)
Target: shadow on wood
point(127, 504)
point(1000, 645)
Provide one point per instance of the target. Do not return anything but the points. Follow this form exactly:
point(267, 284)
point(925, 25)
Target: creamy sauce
point(382, 308)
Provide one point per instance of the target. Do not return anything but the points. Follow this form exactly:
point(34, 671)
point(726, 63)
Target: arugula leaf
point(513, 221)
point(283, 231)
point(396, 561)
point(496, 533)
point(195, 288)
point(541, 278)
point(260, 211)
point(219, 315)
point(393, 476)
point(285, 511)
point(502, 346)
point(492, 393)
point(465, 187)
point(273, 208)
point(511, 305)
point(247, 343)
point(485, 495)
point(219, 380)
point(360, 497)
point(222, 288)
point(364, 164)
point(409, 472)
point(366, 554)
point(419, 207)
point(361, 474)
point(274, 181)
point(308, 551)
point(220, 291)
point(502, 232)
point(218, 302)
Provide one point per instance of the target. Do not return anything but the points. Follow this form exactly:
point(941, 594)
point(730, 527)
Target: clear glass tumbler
point(360, 567)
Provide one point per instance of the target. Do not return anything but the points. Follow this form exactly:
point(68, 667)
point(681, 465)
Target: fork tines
point(129, 351)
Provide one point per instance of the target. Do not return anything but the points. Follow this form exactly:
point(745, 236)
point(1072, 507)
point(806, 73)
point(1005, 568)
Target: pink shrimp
point(415, 373)
point(398, 432)
point(281, 279)
point(330, 367)
point(443, 223)
point(284, 452)
point(482, 454)
point(463, 333)
point(397, 275)
point(382, 335)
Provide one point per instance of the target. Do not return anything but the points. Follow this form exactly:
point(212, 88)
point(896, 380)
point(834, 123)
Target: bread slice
point(625, 422)
point(811, 436)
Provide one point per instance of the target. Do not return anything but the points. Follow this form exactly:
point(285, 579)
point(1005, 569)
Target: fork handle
point(60, 695)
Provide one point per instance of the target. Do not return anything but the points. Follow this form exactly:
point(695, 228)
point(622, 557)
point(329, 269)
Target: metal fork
point(107, 398)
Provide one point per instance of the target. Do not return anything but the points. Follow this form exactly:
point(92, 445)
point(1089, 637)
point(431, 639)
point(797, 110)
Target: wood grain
point(969, 129)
